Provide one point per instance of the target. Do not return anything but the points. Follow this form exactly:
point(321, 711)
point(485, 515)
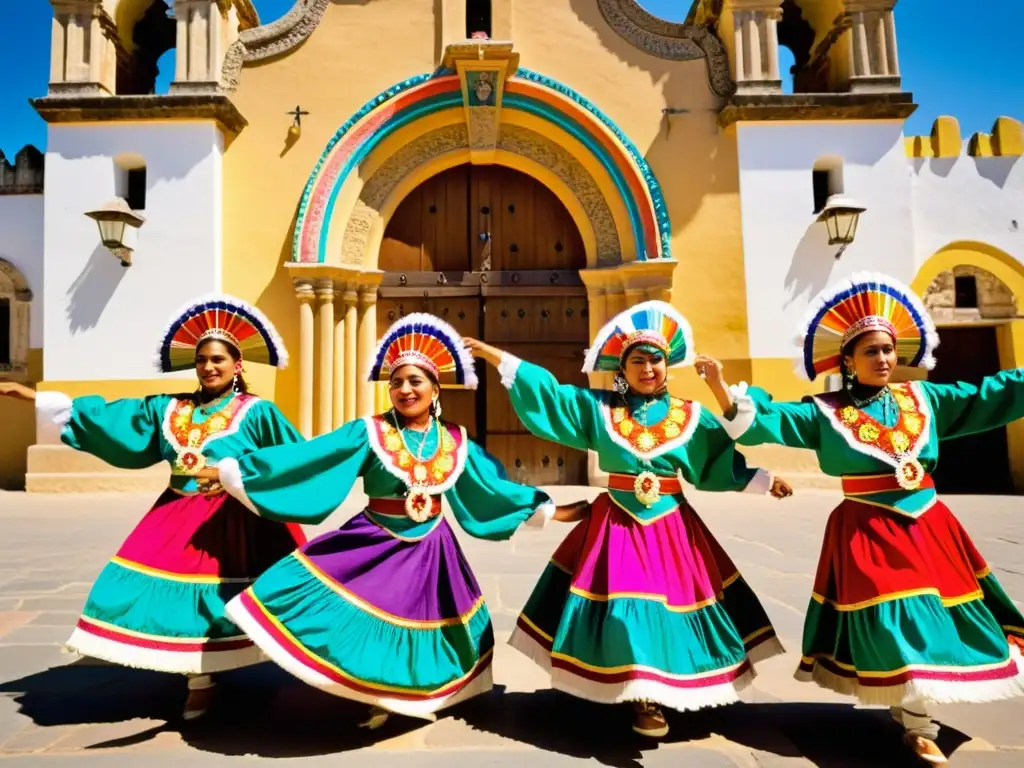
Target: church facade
point(522, 168)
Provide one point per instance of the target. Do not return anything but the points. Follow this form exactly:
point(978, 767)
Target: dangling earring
point(235, 385)
point(849, 378)
point(435, 407)
point(619, 384)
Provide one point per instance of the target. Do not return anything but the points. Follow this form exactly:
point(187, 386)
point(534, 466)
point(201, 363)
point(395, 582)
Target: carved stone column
point(874, 63)
point(305, 294)
point(206, 29)
point(338, 400)
point(83, 51)
point(325, 355)
point(367, 341)
point(351, 352)
point(748, 29)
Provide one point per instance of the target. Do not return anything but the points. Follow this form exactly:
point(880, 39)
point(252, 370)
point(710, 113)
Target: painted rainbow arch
point(526, 91)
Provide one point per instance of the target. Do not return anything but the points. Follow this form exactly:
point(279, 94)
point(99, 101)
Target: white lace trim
point(508, 367)
point(53, 412)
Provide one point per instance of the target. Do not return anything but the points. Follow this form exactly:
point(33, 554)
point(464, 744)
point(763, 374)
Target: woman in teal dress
point(385, 610)
point(905, 610)
point(640, 603)
point(159, 602)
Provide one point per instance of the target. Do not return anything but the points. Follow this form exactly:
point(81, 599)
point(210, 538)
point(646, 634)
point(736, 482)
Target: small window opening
point(826, 180)
point(478, 18)
point(5, 332)
point(136, 198)
point(966, 289)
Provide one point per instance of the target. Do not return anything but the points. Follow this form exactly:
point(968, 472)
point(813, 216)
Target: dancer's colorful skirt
point(656, 612)
point(907, 608)
point(359, 613)
point(159, 604)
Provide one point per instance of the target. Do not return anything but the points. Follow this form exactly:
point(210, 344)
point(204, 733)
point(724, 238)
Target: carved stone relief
point(513, 139)
point(666, 40)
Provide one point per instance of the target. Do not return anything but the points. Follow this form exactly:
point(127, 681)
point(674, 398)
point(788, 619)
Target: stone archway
point(15, 318)
point(974, 291)
point(480, 109)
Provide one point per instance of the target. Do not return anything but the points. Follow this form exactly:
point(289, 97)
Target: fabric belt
point(859, 485)
point(387, 507)
point(669, 486)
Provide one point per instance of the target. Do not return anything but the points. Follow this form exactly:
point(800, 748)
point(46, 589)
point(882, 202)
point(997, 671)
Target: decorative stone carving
point(453, 138)
point(483, 127)
point(666, 40)
point(272, 39)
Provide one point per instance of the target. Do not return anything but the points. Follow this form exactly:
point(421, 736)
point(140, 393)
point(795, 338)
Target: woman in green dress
point(159, 602)
point(386, 610)
point(640, 603)
point(905, 610)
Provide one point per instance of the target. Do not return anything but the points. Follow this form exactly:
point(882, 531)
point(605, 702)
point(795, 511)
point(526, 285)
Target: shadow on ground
point(262, 711)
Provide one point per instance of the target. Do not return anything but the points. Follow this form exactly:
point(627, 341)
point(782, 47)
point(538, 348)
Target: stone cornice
point(817, 106)
point(667, 40)
point(88, 109)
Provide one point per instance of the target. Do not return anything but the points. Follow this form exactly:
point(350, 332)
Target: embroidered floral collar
point(648, 441)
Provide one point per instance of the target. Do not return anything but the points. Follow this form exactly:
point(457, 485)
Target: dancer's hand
point(781, 489)
point(571, 513)
point(482, 350)
point(17, 391)
point(710, 369)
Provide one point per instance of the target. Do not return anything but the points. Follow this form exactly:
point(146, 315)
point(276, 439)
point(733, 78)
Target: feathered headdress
point(865, 302)
point(429, 343)
point(227, 319)
point(650, 322)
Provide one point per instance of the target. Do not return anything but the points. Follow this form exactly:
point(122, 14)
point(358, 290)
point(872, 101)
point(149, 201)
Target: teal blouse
point(306, 483)
point(139, 433)
point(848, 443)
point(664, 435)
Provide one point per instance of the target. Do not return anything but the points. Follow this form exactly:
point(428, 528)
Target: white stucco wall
point(968, 198)
point(21, 243)
point(102, 320)
point(787, 257)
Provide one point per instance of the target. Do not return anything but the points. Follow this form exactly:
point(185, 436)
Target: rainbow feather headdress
point(650, 322)
point(863, 303)
point(222, 317)
point(429, 343)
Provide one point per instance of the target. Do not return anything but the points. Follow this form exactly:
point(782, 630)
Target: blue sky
point(957, 62)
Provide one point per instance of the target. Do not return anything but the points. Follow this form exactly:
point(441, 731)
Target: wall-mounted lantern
point(841, 215)
point(119, 228)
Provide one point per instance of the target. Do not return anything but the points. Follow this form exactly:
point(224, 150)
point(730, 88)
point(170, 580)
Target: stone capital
point(304, 290)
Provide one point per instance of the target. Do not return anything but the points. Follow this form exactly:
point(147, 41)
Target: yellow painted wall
point(18, 429)
point(357, 51)
point(361, 49)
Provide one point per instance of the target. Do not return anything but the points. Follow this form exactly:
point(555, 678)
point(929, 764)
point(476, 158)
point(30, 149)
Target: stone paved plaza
point(58, 711)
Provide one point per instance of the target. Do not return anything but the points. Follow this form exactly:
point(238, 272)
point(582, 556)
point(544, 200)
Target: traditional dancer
point(905, 611)
point(159, 603)
point(386, 610)
point(640, 603)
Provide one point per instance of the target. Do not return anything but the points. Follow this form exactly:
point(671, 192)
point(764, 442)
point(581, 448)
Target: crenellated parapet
point(25, 175)
point(1005, 140)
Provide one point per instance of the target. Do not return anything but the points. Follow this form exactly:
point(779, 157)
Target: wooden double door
point(495, 254)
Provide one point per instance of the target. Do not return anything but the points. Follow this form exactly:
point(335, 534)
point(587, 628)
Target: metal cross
point(297, 113)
